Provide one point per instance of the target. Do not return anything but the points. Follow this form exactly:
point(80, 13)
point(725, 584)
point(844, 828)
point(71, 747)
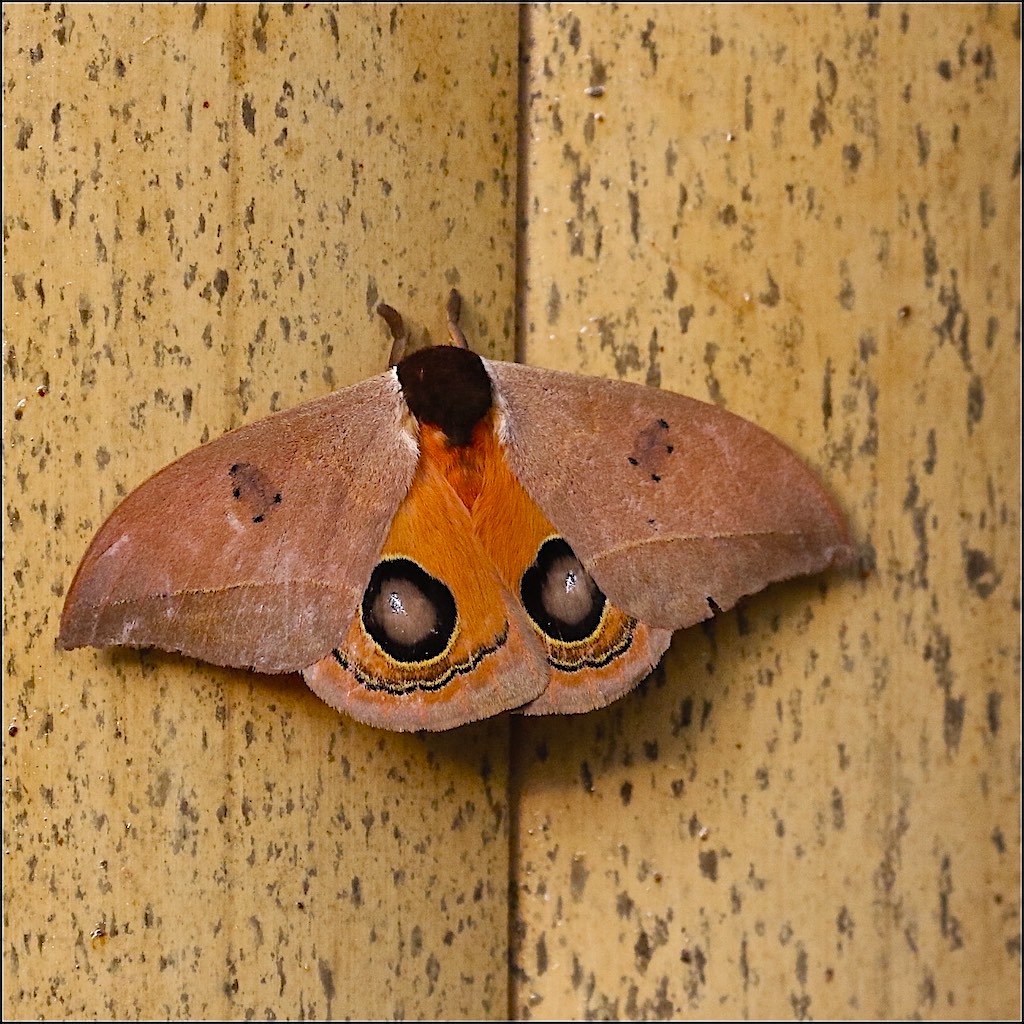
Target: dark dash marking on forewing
point(651, 451)
point(254, 490)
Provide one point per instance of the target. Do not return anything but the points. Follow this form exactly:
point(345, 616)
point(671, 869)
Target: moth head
point(448, 388)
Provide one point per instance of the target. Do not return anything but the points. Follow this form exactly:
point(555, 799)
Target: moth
point(455, 538)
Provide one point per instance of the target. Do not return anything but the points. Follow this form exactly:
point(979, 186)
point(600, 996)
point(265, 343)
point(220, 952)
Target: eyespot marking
point(409, 614)
point(254, 490)
point(651, 450)
point(560, 595)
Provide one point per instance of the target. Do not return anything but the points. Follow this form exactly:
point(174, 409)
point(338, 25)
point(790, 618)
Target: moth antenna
point(399, 335)
point(454, 309)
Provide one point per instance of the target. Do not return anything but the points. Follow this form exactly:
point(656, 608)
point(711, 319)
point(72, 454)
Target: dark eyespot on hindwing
point(254, 491)
point(560, 595)
point(410, 614)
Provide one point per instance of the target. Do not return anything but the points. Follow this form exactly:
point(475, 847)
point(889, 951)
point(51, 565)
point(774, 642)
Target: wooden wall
point(807, 214)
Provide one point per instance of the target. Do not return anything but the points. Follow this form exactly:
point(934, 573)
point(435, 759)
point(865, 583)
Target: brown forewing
point(254, 550)
point(668, 502)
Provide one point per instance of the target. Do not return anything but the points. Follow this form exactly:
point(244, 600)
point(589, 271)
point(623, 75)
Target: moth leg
point(399, 335)
point(454, 309)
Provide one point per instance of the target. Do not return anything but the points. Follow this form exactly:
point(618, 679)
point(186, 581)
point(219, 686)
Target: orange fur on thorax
point(504, 517)
point(465, 466)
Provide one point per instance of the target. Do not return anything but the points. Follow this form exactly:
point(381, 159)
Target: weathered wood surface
point(810, 215)
point(203, 205)
point(807, 214)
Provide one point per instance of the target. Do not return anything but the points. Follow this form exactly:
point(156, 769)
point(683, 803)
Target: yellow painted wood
point(202, 206)
point(809, 214)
